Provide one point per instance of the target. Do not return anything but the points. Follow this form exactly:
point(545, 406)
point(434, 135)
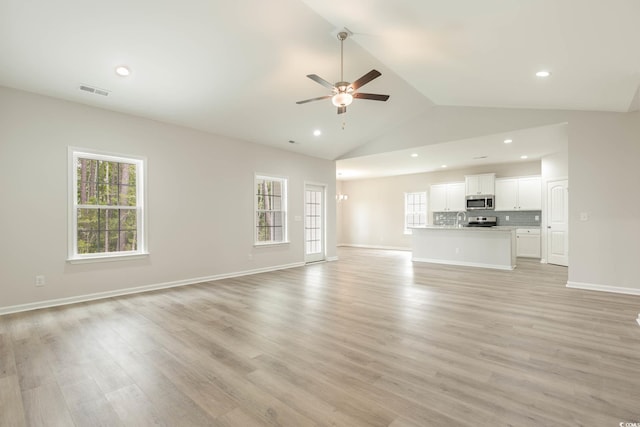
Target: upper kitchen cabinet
point(519, 194)
point(447, 197)
point(483, 184)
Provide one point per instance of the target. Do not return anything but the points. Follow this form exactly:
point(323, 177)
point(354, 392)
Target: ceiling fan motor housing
point(343, 87)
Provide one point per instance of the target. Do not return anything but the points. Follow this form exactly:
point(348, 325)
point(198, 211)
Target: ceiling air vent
point(95, 90)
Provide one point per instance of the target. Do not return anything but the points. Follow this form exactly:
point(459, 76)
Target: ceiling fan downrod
point(342, 36)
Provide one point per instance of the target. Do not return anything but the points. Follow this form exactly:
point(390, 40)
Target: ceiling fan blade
point(322, 81)
point(371, 96)
point(314, 99)
point(342, 110)
point(373, 74)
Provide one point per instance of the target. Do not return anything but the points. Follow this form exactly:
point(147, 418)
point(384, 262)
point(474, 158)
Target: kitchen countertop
point(497, 227)
point(453, 227)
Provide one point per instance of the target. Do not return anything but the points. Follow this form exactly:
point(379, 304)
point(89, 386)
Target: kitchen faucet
point(464, 217)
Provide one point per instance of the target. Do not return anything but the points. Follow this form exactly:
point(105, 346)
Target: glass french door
point(314, 238)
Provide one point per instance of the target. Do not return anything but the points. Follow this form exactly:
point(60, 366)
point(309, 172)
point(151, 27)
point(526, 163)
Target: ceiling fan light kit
point(345, 92)
point(342, 99)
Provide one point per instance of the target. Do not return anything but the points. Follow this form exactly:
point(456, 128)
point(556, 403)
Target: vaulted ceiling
point(238, 68)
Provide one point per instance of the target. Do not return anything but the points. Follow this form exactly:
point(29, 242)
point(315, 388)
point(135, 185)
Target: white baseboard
point(463, 263)
point(139, 289)
point(387, 248)
point(603, 288)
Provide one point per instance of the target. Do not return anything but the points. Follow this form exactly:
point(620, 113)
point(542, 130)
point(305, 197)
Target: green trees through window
point(270, 209)
point(107, 206)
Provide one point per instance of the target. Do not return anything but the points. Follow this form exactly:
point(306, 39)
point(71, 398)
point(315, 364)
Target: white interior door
point(558, 222)
point(314, 237)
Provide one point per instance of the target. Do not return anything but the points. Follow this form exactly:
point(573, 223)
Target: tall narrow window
point(271, 209)
point(106, 206)
point(415, 210)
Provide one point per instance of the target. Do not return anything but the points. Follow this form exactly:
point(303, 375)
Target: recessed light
point(317, 132)
point(524, 157)
point(508, 141)
point(122, 71)
point(443, 166)
point(414, 155)
point(543, 73)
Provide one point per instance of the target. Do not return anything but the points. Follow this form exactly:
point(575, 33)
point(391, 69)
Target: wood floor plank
point(45, 406)
point(88, 405)
point(236, 418)
point(134, 408)
point(11, 409)
point(7, 357)
point(369, 340)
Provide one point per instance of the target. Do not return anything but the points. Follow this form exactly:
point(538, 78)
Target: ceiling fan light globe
point(342, 99)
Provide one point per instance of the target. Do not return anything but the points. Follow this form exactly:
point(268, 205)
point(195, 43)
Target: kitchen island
point(488, 247)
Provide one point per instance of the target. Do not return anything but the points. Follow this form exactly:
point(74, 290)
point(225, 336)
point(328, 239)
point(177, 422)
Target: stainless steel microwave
point(480, 203)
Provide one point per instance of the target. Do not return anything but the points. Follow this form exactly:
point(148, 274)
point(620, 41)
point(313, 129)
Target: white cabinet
point(506, 194)
point(529, 193)
point(528, 242)
point(518, 194)
point(480, 184)
point(447, 197)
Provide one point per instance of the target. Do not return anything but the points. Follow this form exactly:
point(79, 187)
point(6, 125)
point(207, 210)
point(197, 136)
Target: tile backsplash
point(516, 218)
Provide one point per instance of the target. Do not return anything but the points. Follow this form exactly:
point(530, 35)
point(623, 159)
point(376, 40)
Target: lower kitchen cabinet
point(528, 242)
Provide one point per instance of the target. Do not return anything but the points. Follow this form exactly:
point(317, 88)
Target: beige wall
point(604, 182)
point(200, 200)
point(374, 213)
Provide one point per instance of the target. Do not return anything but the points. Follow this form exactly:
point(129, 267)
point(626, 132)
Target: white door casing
point(558, 222)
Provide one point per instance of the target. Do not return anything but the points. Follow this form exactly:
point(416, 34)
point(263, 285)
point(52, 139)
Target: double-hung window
point(271, 210)
point(106, 206)
point(415, 210)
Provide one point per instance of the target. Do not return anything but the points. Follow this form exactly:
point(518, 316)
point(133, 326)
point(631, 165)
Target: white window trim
point(141, 175)
point(407, 230)
point(285, 219)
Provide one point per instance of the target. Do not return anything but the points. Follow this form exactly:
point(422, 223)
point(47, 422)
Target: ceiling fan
point(344, 92)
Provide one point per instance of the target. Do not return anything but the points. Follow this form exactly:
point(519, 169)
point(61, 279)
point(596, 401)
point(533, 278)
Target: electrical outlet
point(40, 281)
point(250, 257)
point(584, 216)
point(537, 217)
point(506, 218)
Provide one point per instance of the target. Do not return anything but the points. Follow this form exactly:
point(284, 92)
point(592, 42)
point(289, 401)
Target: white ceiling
point(487, 150)
point(237, 68)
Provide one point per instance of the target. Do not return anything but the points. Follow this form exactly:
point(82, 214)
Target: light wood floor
point(370, 340)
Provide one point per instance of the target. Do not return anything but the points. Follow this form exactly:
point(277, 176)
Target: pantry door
point(558, 222)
